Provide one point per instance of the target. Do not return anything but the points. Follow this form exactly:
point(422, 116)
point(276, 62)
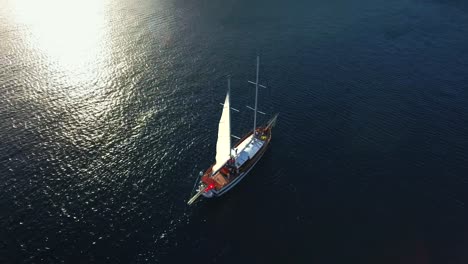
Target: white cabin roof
point(241, 146)
point(246, 150)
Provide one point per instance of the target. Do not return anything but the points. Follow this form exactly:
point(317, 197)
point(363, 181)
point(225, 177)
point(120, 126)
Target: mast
point(256, 96)
point(229, 96)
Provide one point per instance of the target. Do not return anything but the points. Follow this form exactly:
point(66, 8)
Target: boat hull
point(235, 181)
point(246, 170)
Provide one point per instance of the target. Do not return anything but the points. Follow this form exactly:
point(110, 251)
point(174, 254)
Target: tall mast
point(256, 97)
point(229, 95)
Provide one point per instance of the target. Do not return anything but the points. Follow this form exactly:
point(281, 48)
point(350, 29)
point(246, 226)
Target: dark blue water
point(109, 109)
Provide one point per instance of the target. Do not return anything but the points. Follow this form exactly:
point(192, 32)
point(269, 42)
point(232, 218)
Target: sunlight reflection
point(70, 35)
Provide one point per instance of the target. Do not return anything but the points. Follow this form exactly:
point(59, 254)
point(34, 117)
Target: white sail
point(223, 146)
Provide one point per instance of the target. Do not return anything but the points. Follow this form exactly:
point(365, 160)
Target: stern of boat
point(208, 194)
point(207, 185)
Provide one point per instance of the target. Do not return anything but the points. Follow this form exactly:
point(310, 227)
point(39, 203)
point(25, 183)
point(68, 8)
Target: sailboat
point(233, 163)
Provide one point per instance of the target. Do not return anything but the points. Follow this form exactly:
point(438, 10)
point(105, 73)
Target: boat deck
point(220, 180)
point(247, 153)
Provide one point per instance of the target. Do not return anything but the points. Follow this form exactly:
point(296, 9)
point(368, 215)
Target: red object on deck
point(210, 187)
point(225, 170)
point(209, 182)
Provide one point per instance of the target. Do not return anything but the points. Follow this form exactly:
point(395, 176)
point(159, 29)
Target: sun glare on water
point(70, 35)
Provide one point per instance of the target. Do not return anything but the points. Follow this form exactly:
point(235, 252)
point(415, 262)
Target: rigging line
point(195, 185)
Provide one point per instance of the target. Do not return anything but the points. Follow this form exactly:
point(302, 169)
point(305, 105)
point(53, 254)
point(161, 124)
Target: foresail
point(223, 146)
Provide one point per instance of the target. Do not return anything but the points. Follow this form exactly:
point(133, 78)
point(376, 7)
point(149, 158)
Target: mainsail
point(223, 146)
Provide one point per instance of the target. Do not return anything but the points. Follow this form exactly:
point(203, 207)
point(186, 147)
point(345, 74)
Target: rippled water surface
point(109, 109)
